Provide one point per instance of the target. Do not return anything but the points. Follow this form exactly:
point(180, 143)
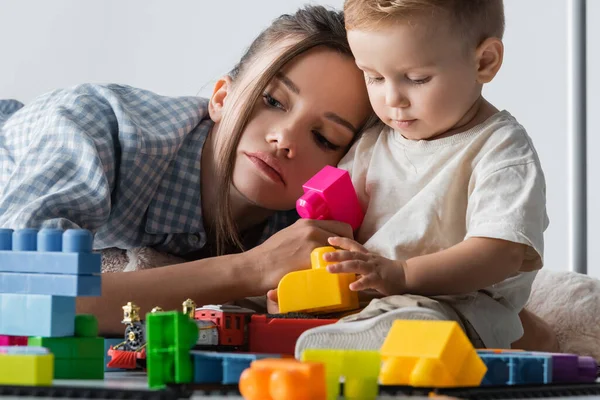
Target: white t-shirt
point(421, 197)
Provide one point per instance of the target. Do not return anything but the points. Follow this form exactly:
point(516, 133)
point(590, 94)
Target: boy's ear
point(490, 54)
point(217, 100)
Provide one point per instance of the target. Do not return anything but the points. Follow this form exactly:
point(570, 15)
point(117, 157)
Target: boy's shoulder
point(504, 141)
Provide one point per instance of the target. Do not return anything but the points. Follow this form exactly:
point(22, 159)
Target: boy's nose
point(395, 99)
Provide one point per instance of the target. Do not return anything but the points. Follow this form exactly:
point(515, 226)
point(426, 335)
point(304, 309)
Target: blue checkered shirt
point(119, 161)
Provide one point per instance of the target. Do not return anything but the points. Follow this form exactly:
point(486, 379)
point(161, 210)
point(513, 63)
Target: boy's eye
point(372, 80)
point(272, 102)
point(323, 142)
point(420, 81)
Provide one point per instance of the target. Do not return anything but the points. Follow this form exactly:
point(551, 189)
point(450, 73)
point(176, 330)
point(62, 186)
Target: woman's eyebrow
point(287, 82)
point(341, 121)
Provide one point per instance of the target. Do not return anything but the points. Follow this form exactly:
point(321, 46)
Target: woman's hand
point(289, 249)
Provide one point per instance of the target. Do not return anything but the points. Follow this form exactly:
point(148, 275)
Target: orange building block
point(429, 354)
point(317, 290)
point(283, 379)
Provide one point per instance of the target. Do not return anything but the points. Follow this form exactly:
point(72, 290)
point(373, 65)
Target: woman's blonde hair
point(309, 27)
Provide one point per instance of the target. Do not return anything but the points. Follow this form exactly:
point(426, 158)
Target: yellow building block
point(359, 368)
point(316, 290)
point(429, 353)
point(35, 369)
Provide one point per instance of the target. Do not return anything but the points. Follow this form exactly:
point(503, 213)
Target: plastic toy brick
point(566, 368)
point(26, 366)
point(283, 379)
point(86, 325)
point(359, 370)
point(279, 335)
point(429, 354)
point(13, 340)
point(330, 195)
point(36, 315)
point(317, 290)
point(516, 369)
point(169, 338)
point(223, 368)
point(48, 251)
point(51, 284)
point(79, 368)
point(71, 347)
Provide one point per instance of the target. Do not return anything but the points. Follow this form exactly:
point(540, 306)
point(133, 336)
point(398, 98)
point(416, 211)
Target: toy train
point(220, 328)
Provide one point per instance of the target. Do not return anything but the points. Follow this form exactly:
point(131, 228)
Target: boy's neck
point(479, 112)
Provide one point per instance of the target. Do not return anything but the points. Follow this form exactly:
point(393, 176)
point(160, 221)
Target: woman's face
point(306, 118)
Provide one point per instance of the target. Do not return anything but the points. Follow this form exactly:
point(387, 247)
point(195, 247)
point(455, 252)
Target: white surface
point(180, 47)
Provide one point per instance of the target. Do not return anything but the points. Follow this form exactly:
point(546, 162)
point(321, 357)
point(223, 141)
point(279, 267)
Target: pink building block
point(13, 340)
point(330, 195)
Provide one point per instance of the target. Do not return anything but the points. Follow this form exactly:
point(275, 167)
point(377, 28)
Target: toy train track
point(82, 392)
point(479, 393)
point(502, 392)
point(187, 391)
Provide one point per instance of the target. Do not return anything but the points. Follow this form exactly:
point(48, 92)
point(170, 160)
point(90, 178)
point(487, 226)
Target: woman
point(194, 177)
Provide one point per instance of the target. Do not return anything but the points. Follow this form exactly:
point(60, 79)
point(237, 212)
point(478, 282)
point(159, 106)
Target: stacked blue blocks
point(516, 369)
point(222, 368)
point(41, 274)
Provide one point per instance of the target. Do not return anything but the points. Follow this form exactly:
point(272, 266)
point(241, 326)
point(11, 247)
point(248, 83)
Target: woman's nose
point(284, 141)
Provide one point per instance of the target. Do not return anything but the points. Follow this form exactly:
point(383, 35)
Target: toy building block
point(330, 195)
point(429, 354)
point(36, 315)
point(6, 340)
point(48, 251)
point(566, 368)
point(516, 369)
point(317, 290)
point(169, 338)
point(50, 284)
point(76, 357)
point(283, 379)
point(279, 335)
point(359, 370)
point(22, 365)
point(86, 326)
point(222, 368)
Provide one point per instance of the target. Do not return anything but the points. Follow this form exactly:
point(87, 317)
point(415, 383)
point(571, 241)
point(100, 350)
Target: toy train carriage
point(222, 326)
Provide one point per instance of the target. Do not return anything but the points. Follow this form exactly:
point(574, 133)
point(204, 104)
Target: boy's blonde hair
point(475, 20)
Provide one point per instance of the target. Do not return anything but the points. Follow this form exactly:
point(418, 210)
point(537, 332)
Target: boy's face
point(421, 80)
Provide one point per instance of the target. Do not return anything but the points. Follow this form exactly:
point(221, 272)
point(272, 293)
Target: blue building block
point(516, 369)
point(52, 284)
point(107, 343)
point(48, 251)
point(223, 368)
point(37, 315)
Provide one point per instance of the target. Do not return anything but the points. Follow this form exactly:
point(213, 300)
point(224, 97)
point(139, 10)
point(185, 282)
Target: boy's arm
point(466, 267)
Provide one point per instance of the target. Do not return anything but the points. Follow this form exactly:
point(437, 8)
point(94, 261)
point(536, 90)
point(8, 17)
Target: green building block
point(86, 325)
point(359, 368)
point(70, 347)
point(169, 338)
point(79, 368)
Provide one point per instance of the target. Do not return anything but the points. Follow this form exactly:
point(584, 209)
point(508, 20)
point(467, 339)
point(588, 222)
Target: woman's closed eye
point(271, 101)
point(323, 142)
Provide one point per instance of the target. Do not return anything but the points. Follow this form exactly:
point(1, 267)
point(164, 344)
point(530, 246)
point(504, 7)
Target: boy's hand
point(376, 272)
point(272, 302)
